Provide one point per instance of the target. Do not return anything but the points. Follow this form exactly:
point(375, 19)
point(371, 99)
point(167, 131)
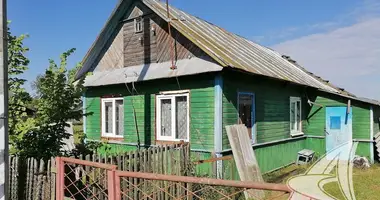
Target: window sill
point(297, 134)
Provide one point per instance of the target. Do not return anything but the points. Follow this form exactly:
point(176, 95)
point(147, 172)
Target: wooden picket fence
point(31, 178)
point(36, 179)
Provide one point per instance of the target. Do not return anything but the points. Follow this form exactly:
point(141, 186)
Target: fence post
point(60, 179)
point(111, 179)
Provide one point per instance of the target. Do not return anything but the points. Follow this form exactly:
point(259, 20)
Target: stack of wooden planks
point(245, 158)
point(377, 143)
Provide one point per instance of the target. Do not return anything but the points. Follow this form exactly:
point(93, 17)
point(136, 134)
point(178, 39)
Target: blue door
point(338, 127)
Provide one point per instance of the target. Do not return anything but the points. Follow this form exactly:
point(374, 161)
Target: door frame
point(253, 115)
point(345, 121)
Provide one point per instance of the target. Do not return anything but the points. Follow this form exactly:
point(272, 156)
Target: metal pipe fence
point(79, 179)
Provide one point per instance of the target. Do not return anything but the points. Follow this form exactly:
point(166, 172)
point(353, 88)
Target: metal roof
point(151, 71)
point(231, 50)
point(227, 49)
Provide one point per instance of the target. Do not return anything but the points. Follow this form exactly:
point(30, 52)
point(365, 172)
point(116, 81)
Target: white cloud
point(347, 56)
point(365, 10)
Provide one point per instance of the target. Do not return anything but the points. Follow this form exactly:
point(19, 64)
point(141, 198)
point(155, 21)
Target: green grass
point(366, 182)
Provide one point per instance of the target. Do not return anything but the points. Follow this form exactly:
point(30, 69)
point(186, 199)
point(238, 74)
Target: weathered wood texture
point(83, 180)
point(113, 57)
point(31, 179)
point(139, 48)
point(201, 110)
point(35, 179)
point(182, 47)
point(156, 46)
point(245, 158)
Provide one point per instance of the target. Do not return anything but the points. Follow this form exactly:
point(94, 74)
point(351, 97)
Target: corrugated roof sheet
point(228, 49)
point(234, 51)
point(151, 71)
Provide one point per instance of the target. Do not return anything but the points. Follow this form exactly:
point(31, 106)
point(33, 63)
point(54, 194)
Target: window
point(112, 117)
point(295, 116)
point(138, 25)
point(173, 117)
point(246, 112)
point(335, 122)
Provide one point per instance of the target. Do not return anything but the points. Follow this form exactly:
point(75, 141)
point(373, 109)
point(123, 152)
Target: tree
point(59, 100)
point(19, 98)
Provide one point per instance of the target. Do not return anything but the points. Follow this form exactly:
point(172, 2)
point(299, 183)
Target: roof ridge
point(253, 43)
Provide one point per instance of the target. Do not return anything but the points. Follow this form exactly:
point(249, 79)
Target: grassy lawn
point(366, 182)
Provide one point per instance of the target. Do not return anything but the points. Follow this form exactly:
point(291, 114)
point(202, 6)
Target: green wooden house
point(149, 86)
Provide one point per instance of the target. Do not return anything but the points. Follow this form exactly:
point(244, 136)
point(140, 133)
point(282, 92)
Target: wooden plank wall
point(272, 105)
point(113, 58)
point(201, 109)
point(360, 123)
point(155, 46)
point(139, 48)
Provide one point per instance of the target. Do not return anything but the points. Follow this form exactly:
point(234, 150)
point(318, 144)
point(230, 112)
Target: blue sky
point(305, 30)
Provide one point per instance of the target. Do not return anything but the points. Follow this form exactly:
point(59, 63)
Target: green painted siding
point(363, 149)
point(275, 156)
point(93, 127)
point(316, 144)
point(269, 157)
point(317, 116)
point(203, 169)
point(376, 117)
point(201, 109)
point(115, 149)
point(272, 106)
point(319, 146)
point(361, 123)
point(317, 120)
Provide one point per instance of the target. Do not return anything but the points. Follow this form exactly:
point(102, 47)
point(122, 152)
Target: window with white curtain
point(173, 117)
point(113, 117)
point(295, 116)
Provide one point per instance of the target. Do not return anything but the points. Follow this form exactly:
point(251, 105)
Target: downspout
point(84, 116)
point(371, 149)
point(218, 125)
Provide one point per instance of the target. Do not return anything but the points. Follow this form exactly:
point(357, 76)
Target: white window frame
point(172, 96)
point(298, 130)
point(113, 101)
point(136, 21)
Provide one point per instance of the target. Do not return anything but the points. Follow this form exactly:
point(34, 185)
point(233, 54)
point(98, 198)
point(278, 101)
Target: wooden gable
point(153, 44)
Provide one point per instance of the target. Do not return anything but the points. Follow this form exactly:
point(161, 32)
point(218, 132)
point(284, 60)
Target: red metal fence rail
point(136, 185)
point(79, 179)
